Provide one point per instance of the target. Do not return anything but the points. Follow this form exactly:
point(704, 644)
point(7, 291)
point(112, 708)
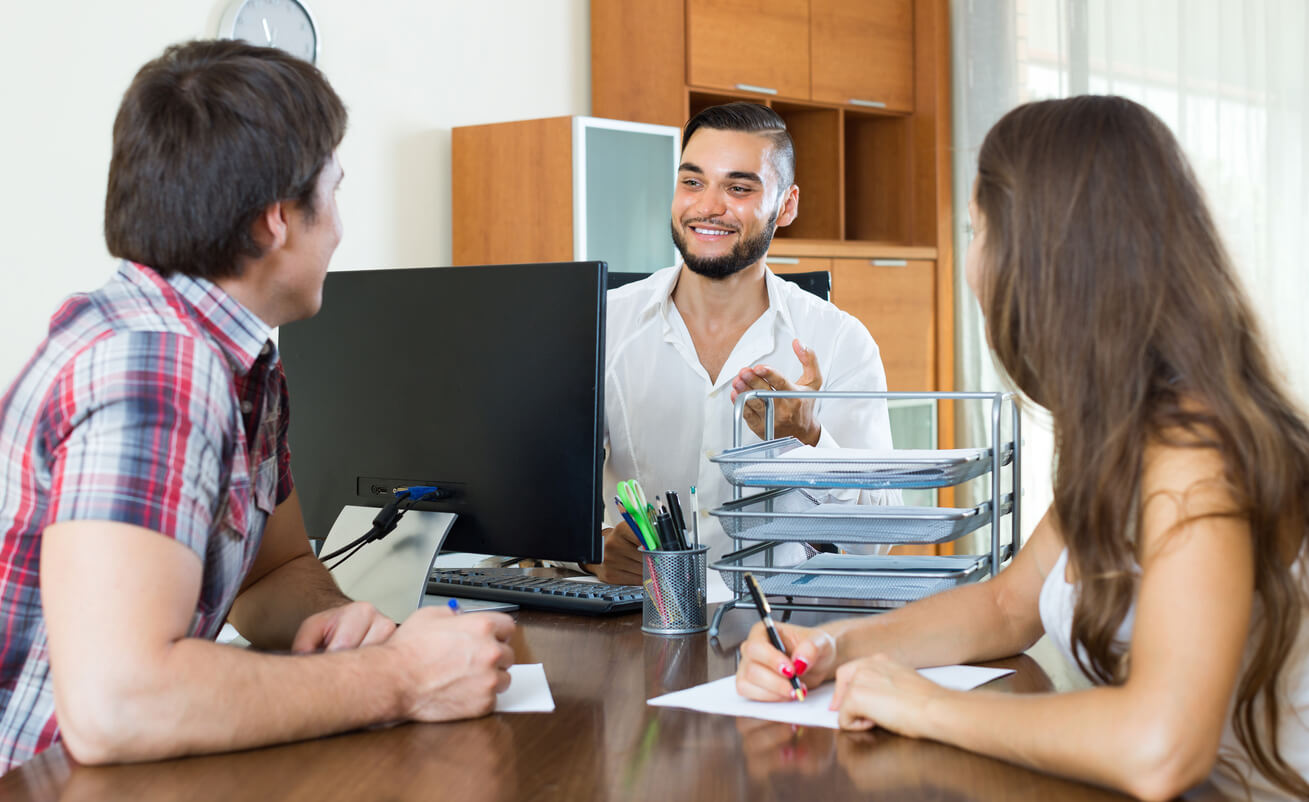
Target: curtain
point(1227, 77)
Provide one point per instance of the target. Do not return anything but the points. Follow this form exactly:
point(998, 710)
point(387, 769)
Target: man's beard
point(745, 253)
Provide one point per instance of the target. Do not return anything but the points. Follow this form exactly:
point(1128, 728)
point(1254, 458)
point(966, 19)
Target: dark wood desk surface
point(602, 742)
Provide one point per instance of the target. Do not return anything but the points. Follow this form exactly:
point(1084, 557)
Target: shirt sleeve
point(136, 425)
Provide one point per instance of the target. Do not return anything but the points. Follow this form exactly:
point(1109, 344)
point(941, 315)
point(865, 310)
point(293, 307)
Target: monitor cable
point(386, 520)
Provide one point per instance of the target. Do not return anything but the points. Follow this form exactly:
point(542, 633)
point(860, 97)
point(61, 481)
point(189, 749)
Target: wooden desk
point(602, 742)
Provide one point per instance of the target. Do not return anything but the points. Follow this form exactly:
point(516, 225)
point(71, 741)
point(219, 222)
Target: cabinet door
point(749, 45)
point(863, 52)
point(896, 300)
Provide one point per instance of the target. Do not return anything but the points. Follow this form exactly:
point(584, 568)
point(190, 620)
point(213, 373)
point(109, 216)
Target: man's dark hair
point(209, 135)
point(754, 119)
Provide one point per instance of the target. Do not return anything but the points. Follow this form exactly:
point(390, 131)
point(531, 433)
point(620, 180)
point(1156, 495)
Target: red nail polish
point(787, 671)
point(800, 666)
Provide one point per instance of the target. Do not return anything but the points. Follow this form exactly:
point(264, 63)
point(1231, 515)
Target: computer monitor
point(485, 381)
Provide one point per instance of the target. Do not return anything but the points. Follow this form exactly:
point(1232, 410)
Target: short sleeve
point(137, 424)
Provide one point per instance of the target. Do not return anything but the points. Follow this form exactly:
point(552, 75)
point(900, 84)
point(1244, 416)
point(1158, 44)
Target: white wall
point(408, 70)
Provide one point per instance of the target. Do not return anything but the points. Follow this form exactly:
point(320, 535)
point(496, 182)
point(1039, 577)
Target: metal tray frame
point(776, 580)
point(990, 564)
point(753, 518)
point(762, 465)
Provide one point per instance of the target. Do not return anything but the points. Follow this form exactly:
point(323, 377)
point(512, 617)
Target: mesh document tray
point(822, 577)
point(766, 464)
point(795, 515)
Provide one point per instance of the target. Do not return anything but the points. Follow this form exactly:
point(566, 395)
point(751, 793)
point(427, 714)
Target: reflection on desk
point(602, 742)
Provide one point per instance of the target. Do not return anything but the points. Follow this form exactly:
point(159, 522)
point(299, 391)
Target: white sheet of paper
point(720, 697)
point(528, 691)
point(815, 454)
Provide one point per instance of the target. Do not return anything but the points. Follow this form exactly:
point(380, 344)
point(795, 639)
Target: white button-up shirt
point(665, 416)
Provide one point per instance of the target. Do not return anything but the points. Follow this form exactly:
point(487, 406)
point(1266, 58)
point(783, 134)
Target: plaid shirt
point(153, 402)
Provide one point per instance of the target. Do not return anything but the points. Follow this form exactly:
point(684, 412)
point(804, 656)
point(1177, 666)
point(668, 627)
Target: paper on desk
point(720, 697)
point(528, 691)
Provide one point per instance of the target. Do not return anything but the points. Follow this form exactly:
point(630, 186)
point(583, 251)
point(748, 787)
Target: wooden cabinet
point(847, 52)
point(798, 264)
point(543, 150)
point(749, 45)
point(862, 53)
point(896, 300)
point(566, 185)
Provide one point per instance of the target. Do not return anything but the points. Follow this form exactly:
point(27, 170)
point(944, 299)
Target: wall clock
point(286, 24)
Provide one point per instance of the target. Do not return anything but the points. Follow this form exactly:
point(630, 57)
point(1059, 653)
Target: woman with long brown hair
point(1171, 567)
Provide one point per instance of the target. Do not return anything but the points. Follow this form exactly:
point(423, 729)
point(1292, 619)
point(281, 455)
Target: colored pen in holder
point(674, 583)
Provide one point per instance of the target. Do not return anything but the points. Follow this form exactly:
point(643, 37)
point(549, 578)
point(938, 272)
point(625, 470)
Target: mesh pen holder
point(674, 585)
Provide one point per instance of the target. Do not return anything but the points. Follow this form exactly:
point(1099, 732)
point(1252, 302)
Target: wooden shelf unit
point(864, 86)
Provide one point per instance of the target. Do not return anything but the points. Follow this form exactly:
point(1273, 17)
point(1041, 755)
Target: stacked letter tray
point(794, 514)
point(786, 462)
point(888, 580)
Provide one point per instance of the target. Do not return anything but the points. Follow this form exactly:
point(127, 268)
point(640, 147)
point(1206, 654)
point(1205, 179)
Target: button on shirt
point(154, 402)
point(665, 416)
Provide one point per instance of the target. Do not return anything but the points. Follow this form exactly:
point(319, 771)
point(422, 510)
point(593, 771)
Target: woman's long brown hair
point(1111, 301)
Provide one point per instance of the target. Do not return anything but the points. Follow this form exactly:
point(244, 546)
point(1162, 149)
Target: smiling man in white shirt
point(684, 342)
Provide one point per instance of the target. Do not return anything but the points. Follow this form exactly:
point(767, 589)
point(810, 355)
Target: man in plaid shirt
point(146, 493)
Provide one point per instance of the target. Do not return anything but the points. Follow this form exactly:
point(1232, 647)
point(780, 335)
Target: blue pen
point(631, 522)
point(453, 604)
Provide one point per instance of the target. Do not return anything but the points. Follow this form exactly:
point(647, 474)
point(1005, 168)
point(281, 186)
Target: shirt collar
point(661, 299)
point(776, 285)
point(243, 336)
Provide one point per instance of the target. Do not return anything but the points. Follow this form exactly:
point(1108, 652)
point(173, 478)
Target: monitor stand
point(392, 572)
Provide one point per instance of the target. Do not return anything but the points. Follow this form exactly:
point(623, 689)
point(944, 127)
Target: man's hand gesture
point(791, 416)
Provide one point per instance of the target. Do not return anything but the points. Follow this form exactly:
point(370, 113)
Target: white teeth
point(710, 232)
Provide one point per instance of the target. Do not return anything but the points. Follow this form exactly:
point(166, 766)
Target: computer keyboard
point(541, 592)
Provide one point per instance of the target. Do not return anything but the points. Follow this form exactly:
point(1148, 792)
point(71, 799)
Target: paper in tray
point(895, 579)
point(946, 564)
point(928, 456)
point(795, 514)
point(789, 464)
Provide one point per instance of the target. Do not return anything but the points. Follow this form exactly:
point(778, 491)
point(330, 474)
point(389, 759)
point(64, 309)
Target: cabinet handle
point(871, 104)
point(784, 260)
point(890, 263)
point(760, 89)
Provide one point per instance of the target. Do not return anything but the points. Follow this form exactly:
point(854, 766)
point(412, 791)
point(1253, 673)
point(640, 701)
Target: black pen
point(679, 520)
point(667, 530)
point(766, 615)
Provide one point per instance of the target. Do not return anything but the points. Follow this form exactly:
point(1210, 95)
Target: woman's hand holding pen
point(791, 416)
point(765, 673)
point(622, 562)
point(879, 692)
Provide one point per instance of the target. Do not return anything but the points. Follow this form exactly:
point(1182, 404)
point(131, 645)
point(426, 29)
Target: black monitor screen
point(485, 381)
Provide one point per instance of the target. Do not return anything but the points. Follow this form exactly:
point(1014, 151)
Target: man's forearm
point(269, 612)
point(203, 697)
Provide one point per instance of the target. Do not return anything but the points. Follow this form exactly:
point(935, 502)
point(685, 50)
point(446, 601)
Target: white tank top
point(1056, 606)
